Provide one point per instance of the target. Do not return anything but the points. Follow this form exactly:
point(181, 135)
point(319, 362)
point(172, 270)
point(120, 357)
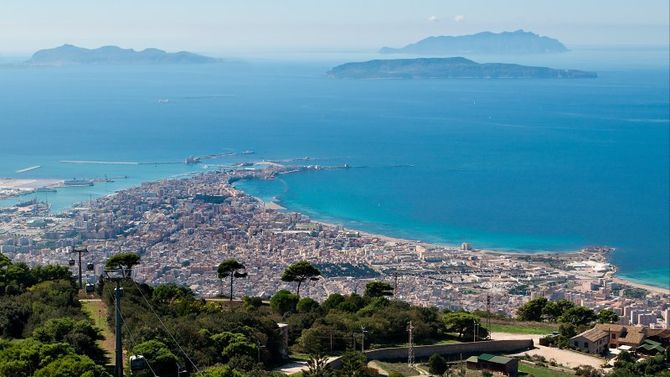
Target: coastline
point(274, 205)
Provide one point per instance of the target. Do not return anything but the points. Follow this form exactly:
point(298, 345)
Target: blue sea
point(526, 165)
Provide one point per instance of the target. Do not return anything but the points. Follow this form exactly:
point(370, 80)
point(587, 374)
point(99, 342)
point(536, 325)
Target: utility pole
point(331, 341)
point(410, 350)
point(395, 284)
point(118, 349)
point(117, 276)
point(488, 315)
point(79, 251)
point(363, 332)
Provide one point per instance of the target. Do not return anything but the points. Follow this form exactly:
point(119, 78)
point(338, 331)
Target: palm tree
point(232, 268)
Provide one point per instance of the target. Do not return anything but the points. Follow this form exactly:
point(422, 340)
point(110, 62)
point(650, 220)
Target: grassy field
point(97, 311)
point(538, 371)
point(515, 327)
point(401, 368)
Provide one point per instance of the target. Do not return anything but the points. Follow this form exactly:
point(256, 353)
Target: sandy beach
point(651, 288)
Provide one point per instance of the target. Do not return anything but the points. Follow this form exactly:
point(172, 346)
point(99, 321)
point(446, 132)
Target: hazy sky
point(228, 26)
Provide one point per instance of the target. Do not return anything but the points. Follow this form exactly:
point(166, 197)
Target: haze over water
point(509, 164)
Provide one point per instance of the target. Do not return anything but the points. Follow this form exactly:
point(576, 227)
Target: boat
point(78, 182)
point(45, 189)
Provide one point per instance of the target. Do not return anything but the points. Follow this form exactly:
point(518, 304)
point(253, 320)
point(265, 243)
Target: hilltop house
point(605, 335)
point(592, 341)
point(621, 335)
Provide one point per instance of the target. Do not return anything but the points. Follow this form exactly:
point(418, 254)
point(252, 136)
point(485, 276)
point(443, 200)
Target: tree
point(72, 366)
point(169, 292)
point(607, 316)
point(81, 335)
point(532, 310)
point(220, 371)
point(317, 366)
point(554, 309)
point(378, 289)
point(300, 272)
point(123, 260)
point(158, 355)
point(284, 301)
point(233, 269)
point(567, 330)
point(437, 364)
point(307, 305)
point(252, 303)
point(578, 316)
point(353, 364)
point(333, 300)
point(464, 324)
point(229, 345)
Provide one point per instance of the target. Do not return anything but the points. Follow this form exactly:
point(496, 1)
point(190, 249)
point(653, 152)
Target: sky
point(224, 27)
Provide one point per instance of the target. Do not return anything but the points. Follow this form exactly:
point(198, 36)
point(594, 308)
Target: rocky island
point(69, 54)
point(514, 42)
point(449, 68)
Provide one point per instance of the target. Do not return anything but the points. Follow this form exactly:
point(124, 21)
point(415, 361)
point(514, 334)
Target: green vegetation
point(518, 327)
point(378, 289)
point(627, 365)
point(543, 371)
point(634, 293)
point(233, 269)
point(44, 330)
point(397, 369)
point(47, 331)
point(437, 364)
point(299, 272)
point(465, 324)
point(540, 309)
point(97, 311)
point(123, 260)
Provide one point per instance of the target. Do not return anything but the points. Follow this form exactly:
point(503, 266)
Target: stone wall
point(450, 351)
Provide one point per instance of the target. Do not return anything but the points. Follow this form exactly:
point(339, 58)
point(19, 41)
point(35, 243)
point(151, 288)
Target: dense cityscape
point(183, 228)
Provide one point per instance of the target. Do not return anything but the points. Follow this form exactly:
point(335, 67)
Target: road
point(565, 357)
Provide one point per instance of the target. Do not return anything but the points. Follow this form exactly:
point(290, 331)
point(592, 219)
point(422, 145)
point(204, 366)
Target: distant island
point(69, 54)
point(449, 68)
point(515, 42)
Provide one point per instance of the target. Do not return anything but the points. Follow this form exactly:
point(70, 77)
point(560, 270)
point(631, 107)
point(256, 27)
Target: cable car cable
point(165, 327)
point(132, 339)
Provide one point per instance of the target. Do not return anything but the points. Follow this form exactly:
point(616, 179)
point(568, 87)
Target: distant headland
point(69, 54)
point(449, 68)
point(514, 42)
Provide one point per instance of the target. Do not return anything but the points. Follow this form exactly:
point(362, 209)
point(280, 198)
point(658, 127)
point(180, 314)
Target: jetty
point(24, 170)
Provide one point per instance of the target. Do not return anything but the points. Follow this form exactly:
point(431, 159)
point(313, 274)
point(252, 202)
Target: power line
point(165, 327)
point(133, 339)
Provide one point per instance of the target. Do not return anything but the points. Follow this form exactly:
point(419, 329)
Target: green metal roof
point(653, 343)
point(500, 360)
point(486, 356)
point(472, 359)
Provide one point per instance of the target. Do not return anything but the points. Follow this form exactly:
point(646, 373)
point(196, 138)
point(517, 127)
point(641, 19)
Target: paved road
point(566, 357)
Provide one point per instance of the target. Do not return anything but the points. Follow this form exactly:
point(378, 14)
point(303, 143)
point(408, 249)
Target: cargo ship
point(77, 183)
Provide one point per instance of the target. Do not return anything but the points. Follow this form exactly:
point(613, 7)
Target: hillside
point(69, 54)
point(449, 68)
point(515, 42)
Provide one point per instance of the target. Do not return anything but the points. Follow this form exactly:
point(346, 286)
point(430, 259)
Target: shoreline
point(275, 205)
point(623, 281)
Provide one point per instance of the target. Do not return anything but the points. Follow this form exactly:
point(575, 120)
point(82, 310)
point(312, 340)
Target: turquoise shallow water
point(522, 164)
